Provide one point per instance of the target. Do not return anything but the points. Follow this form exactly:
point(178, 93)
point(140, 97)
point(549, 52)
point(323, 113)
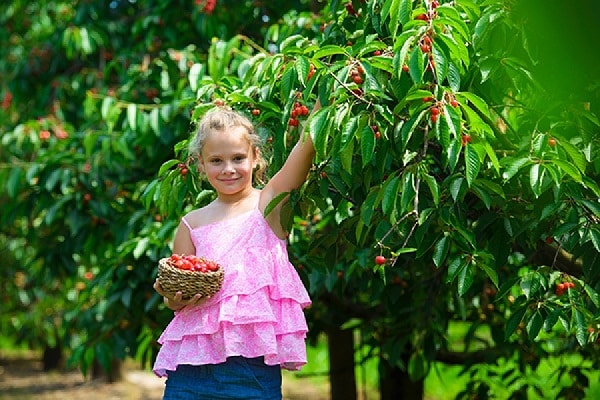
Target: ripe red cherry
point(380, 260)
point(551, 142)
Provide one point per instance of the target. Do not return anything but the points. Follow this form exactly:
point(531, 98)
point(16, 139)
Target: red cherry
point(380, 260)
point(256, 112)
point(551, 142)
point(465, 139)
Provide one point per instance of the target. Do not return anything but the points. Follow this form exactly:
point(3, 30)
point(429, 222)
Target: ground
point(22, 378)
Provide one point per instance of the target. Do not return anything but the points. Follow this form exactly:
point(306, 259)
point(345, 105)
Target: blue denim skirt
point(236, 378)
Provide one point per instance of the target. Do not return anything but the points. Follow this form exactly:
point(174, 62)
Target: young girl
point(234, 344)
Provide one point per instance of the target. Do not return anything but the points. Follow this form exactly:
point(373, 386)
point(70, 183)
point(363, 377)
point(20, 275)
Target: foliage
point(443, 145)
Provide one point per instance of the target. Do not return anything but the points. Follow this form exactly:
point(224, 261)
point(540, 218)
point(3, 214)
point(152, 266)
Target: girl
point(234, 344)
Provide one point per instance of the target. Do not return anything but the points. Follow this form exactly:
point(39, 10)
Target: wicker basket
point(188, 282)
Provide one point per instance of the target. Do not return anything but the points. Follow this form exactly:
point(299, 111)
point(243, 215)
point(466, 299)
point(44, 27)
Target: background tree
point(455, 180)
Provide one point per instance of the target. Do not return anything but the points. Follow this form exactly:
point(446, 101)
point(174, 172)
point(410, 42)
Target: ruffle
point(288, 350)
point(257, 312)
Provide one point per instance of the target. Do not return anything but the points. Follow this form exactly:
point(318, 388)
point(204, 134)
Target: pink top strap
point(186, 224)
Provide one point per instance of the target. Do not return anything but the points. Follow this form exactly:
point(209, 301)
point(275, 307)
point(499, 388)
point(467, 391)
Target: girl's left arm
point(294, 171)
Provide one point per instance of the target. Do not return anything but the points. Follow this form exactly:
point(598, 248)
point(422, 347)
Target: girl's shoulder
point(199, 217)
point(213, 215)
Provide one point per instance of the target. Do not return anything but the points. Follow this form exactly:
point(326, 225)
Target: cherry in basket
point(190, 262)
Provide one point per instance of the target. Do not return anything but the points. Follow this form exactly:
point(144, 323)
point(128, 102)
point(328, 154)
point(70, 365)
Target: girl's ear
point(200, 166)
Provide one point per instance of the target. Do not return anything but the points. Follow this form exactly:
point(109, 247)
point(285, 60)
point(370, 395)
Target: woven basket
point(189, 283)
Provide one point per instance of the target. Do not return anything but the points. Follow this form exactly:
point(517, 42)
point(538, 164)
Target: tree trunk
point(395, 384)
point(114, 375)
point(341, 364)
point(52, 357)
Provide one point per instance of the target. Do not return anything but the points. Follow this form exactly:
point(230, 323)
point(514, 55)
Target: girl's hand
point(176, 302)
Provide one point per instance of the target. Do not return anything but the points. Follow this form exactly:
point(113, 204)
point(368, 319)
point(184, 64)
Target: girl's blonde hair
point(218, 120)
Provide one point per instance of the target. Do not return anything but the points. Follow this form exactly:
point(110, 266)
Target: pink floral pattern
point(257, 312)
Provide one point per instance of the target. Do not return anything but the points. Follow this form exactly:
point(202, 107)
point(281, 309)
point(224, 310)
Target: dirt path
point(23, 378)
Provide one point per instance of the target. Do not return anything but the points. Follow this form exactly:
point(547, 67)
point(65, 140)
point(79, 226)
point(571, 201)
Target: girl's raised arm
point(294, 171)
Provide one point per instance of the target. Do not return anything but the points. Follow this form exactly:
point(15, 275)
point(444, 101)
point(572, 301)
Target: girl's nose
point(228, 168)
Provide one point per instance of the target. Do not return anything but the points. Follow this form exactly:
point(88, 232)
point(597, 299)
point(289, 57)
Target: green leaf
point(575, 154)
point(394, 17)
point(316, 124)
point(390, 194)
point(472, 164)
point(302, 67)
point(455, 265)
point(405, 11)
point(536, 173)
point(367, 145)
point(367, 208)
point(330, 50)
point(513, 167)
point(534, 325)
point(275, 202)
point(440, 250)
point(13, 182)
point(465, 279)
point(141, 247)
point(477, 102)
point(433, 188)
point(569, 168)
point(416, 65)
point(531, 284)
point(417, 365)
point(593, 295)
point(490, 272)
point(580, 326)
point(514, 320)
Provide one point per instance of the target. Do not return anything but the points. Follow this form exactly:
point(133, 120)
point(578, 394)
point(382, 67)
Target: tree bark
point(114, 375)
point(342, 377)
point(395, 384)
point(52, 357)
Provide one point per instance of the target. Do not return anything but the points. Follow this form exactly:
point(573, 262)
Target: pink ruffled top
point(257, 312)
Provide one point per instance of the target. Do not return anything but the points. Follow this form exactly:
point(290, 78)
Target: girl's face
point(228, 160)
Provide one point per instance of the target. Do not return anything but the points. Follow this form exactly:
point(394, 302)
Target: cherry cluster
point(183, 169)
point(311, 72)
point(356, 74)
point(208, 6)
point(190, 262)
point(562, 287)
point(299, 110)
point(376, 131)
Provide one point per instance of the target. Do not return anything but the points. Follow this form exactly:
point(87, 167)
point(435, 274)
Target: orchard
point(452, 215)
